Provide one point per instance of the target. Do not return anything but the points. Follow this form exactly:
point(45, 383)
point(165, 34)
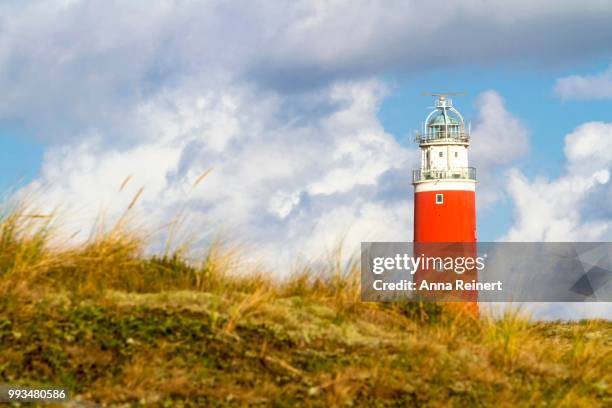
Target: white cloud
point(589, 147)
point(280, 184)
point(548, 210)
point(552, 310)
point(568, 208)
point(283, 183)
point(70, 67)
point(598, 86)
point(498, 139)
point(277, 99)
point(573, 311)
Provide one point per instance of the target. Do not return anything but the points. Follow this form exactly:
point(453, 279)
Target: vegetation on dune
point(118, 327)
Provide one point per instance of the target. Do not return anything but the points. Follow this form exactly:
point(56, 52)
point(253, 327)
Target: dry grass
point(119, 327)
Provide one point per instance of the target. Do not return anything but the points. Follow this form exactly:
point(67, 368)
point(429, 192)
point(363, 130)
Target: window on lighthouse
point(439, 198)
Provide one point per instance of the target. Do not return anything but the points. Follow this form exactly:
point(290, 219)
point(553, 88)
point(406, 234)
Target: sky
point(304, 111)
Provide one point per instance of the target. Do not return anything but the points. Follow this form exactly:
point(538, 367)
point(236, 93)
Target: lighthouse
point(444, 185)
point(445, 197)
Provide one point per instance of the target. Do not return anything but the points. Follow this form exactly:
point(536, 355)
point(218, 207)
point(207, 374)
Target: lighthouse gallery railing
point(442, 137)
point(465, 173)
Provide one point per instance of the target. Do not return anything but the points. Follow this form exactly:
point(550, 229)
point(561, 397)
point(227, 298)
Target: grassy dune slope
point(117, 327)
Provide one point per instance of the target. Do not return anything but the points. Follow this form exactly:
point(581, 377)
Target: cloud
point(498, 139)
point(69, 67)
point(284, 180)
point(598, 86)
point(548, 210)
point(567, 208)
point(573, 311)
point(411, 36)
point(283, 183)
point(280, 100)
point(589, 147)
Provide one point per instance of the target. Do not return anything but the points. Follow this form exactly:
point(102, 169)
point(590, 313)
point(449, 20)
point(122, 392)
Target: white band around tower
point(442, 185)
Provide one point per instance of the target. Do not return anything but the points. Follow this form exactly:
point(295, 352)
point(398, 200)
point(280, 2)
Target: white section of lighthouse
point(445, 185)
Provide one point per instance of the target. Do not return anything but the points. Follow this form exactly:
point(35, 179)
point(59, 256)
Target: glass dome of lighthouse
point(445, 122)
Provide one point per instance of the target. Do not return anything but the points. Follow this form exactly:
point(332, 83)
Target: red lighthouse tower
point(445, 196)
point(444, 186)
